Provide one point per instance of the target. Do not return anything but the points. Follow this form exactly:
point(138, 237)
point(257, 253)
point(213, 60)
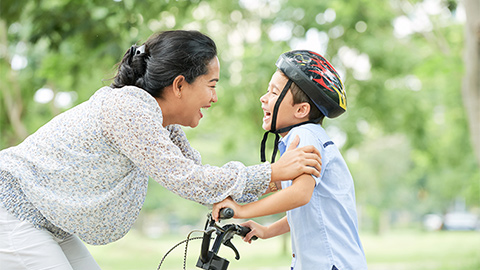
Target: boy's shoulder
point(309, 133)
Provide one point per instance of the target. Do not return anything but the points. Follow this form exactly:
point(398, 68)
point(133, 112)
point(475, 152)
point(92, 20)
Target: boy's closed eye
point(274, 91)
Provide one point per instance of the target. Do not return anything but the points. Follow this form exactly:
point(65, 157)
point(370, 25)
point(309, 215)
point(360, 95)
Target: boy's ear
point(302, 110)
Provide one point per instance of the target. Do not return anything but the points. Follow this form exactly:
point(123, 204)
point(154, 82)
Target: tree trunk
point(12, 93)
point(471, 83)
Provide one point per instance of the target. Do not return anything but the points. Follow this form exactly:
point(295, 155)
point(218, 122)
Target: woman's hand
point(227, 203)
point(297, 161)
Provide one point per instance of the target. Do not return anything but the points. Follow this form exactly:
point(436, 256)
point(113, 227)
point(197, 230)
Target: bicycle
point(209, 259)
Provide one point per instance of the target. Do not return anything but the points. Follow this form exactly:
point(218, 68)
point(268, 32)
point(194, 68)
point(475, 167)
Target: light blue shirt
point(324, 232)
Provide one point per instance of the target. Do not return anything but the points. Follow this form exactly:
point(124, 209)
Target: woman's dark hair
point(165, 56)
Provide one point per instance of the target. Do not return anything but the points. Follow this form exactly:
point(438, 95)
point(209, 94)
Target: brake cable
point(186, 248)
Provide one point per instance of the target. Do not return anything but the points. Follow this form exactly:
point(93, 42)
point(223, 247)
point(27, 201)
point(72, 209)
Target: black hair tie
point(131, 53)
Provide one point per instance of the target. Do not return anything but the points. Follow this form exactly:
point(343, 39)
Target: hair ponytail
point(131, 69)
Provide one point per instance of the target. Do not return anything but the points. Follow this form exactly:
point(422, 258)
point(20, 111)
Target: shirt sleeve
point(307, 138)
point(133, 124)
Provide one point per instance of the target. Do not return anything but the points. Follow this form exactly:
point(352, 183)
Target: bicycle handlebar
point(244, 231)
point(208, 258)
point(226, 213)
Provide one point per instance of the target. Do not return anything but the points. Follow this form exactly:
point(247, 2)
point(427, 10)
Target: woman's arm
point(138, 134)
point(132, 125)
point(298, 194)
point(304, 160)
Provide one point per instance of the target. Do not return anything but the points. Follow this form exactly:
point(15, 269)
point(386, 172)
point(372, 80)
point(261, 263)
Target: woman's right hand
point(297, 161)
point(227, 203)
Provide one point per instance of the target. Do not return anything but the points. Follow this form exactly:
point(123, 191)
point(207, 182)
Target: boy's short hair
point(299, 96)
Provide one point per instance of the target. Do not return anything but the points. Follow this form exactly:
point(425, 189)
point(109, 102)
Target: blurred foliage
point(405, 134)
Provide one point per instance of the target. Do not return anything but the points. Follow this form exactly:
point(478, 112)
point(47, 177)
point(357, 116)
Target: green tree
point(405, 134)
point(471, 83)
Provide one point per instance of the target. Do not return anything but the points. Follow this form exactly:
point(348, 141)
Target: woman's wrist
point(274, 186)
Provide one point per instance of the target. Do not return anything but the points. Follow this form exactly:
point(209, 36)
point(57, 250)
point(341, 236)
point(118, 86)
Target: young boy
point(321, 213)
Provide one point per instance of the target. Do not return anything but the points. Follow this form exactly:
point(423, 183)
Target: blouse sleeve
point(178, 137)
point(133, 125)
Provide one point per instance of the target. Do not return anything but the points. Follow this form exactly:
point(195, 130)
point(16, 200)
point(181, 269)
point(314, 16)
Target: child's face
point(286, 111)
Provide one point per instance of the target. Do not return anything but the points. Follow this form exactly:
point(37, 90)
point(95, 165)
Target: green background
point(405, 134)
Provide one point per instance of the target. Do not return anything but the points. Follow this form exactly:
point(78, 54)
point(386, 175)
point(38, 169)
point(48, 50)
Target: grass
point(441, 250)
point(396, 250)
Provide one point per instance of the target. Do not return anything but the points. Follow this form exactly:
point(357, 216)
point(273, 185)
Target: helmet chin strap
point(273, 126)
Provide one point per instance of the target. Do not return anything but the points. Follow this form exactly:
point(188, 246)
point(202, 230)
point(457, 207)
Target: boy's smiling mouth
point(266, 114)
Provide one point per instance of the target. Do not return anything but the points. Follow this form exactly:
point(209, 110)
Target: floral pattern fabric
point(86, 171)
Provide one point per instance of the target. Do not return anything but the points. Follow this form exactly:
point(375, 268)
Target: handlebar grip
point(244, 231)
point(226, 213)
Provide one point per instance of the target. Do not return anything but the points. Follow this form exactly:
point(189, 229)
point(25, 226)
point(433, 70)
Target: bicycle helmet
point(317, 78)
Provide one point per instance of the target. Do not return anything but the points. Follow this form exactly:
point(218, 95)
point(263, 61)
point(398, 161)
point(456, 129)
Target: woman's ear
point(177, 85)
point(302, 110)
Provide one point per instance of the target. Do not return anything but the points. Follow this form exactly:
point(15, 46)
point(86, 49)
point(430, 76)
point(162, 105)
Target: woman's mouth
point(203, 108)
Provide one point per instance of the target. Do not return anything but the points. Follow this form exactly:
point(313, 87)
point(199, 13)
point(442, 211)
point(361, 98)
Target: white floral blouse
point(86, 171)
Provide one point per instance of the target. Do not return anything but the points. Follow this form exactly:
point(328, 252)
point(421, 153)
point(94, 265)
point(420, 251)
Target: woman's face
point(199, 95)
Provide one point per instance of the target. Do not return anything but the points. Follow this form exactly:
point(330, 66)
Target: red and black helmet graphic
point(317, 78)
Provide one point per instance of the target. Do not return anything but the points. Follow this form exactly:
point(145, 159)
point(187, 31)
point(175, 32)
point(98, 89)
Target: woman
point(84, 174)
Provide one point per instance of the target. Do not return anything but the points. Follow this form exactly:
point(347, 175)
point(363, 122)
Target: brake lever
point(229, 244)
point(209, 259)
point(229, 232)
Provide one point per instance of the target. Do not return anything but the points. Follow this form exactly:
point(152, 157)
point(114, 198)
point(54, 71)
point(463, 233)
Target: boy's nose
point(263, 99)
point(214, 96)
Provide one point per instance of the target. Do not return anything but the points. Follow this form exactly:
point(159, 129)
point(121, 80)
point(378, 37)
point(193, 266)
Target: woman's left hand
point(297, 161)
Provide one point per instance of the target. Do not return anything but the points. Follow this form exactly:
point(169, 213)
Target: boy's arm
point(264, 232)
point(298, 194)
